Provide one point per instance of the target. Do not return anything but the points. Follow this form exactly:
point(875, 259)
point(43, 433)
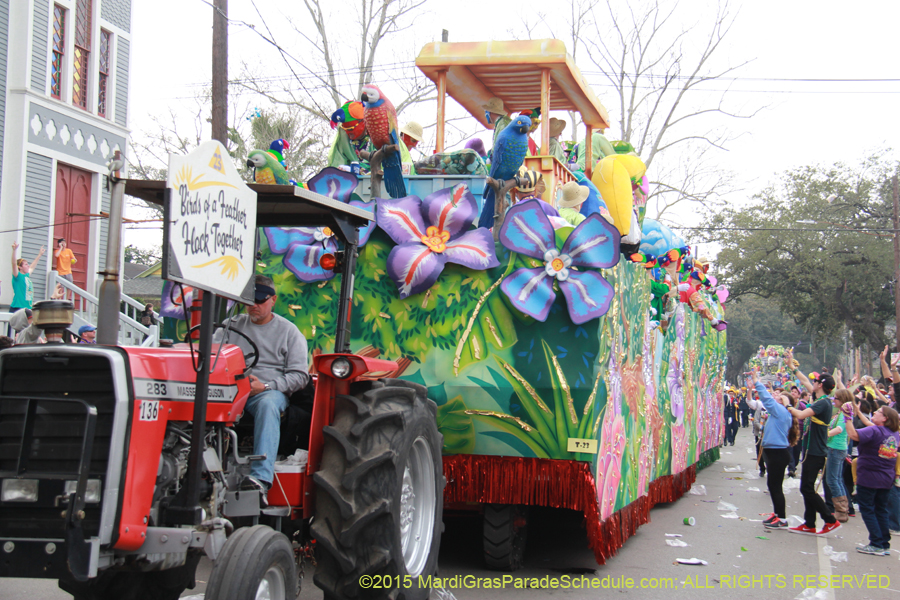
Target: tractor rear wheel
point(504, 534)
point(379, 495)
point(256, 563)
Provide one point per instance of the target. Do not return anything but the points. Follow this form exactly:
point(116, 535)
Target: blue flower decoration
point(303, 247)
point(594, 244)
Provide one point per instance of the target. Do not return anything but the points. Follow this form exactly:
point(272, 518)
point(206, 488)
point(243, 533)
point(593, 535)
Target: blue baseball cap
point(85, 328)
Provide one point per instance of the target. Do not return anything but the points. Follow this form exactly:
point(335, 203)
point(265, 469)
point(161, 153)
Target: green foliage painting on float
point(506, 384)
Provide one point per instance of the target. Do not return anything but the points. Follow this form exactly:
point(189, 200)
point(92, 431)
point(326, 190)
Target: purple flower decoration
point(303, 247)
point(431, 232)
point(594, 244)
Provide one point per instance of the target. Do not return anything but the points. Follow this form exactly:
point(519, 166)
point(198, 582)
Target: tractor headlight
point(91, 493)
point(19, 490)
point(341, 368)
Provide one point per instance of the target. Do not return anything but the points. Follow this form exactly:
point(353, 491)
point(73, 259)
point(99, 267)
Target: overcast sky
point(836, 117)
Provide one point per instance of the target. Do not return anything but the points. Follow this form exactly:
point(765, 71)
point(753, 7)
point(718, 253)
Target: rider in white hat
point(410, 136)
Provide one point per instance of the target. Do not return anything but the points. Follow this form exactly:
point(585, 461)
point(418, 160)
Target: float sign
point(210, 215)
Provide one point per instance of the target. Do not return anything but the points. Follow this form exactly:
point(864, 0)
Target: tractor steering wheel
point(253, 354)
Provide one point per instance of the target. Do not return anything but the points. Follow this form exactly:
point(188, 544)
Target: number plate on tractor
point(149, 410)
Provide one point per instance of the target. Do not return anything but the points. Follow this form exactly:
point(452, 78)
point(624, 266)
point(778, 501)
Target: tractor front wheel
point(256, 563)
point(379, 495)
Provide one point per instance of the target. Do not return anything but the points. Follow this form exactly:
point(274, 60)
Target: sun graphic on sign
point(229, 264)
point(186, 176)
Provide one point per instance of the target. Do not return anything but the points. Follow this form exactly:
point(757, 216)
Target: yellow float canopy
point(475, 72)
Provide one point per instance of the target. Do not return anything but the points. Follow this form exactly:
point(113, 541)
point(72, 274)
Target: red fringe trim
point(559, 484)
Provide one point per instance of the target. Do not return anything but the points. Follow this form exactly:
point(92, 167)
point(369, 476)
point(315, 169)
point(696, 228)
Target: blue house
point(64, 76)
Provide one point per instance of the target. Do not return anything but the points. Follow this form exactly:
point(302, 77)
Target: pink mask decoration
point(722, 293)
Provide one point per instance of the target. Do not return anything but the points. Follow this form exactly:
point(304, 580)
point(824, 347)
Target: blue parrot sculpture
point(507, 156)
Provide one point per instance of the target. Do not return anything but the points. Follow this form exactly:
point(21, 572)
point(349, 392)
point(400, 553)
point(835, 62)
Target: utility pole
point(896, 259)
point(185, 508)
point(220, 72)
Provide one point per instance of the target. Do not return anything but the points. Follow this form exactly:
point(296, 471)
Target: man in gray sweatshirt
point(282, 369)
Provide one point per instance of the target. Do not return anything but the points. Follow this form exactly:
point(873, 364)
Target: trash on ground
point(726, 506)
point(690, 561)
point(690, 521)
point(730, 515)
point(750, 475)
point(761, 537)
point(744, 549)
point(676, 543)
point(753, 489)
point(673, 535)
point(439, 593)
point(734, 469)
point(794, 521)
point(835, 556)
point(813, 594)
point(697, 490)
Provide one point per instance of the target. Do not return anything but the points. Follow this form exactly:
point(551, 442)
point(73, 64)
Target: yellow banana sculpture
point(613, 177)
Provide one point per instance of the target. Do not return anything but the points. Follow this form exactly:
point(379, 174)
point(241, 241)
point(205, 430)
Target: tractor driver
point(282, 369)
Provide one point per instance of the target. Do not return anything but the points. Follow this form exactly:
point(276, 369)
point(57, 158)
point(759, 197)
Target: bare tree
point(347, 64)
point(651, 65)
point(179, 131)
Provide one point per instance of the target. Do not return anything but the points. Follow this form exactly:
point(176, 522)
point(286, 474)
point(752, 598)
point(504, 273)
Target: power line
point(52, 225)
point(795, 230)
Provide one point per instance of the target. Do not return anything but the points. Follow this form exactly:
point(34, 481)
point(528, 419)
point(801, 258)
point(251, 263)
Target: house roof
point(143, 287)
point(132, 270)
point(511, 71)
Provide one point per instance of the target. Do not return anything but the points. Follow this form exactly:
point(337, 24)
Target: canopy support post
point(588, 155)
point(545, 112)
point(441, 108)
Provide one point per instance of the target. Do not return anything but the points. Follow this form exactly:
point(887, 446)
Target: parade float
point(578, 368)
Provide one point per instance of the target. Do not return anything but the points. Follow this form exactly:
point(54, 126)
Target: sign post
point(209, 242)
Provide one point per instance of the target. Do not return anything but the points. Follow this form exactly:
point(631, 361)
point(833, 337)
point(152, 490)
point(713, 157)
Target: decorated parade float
point(574, 367)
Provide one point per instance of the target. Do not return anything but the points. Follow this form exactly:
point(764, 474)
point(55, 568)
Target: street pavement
point(744, 560)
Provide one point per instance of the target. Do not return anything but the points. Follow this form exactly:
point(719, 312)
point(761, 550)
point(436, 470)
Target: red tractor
point(109, 485)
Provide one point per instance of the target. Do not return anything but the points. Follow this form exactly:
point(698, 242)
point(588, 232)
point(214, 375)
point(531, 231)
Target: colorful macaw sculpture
point(381, 124)
point(277, 149)
point(267, 169)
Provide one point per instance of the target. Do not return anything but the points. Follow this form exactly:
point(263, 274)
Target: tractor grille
point(55, 448)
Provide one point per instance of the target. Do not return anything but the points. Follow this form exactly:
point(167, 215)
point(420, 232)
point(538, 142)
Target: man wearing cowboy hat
point(497, 116)
point(557, 126)
point(573, 196)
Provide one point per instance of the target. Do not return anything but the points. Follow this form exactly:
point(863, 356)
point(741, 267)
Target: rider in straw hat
point(496, 115)
point(557, 126)
point(573, 196)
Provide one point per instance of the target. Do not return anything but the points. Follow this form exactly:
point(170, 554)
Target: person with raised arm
point(818, 415)
point(875, 474)
point(23, 289)
point(781, 432)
